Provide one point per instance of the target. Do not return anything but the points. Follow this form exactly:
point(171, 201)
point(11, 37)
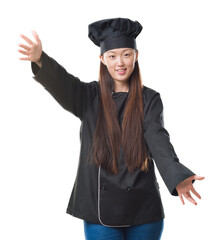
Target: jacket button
point(128, 188)
point(103, 187)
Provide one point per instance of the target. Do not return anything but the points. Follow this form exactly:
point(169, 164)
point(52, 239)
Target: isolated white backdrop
point(180, 56)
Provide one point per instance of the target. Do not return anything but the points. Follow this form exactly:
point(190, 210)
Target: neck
point(121, 87)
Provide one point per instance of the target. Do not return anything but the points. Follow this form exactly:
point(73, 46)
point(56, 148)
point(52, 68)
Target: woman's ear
point(137, 54)
point(102, 59)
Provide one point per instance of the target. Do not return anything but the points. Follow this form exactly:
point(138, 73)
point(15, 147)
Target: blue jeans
point(150, 231)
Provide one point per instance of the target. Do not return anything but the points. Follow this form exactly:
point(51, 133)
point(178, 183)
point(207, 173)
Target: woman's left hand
point(184, 188)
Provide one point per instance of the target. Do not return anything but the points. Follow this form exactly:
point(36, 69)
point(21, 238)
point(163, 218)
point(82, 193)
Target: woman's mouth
point(121, 71)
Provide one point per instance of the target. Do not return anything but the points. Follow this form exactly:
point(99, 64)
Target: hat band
point(118, 42)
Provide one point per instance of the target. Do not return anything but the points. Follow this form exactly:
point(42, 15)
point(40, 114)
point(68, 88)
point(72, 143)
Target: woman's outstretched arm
point(71, 93)
point(177, 177)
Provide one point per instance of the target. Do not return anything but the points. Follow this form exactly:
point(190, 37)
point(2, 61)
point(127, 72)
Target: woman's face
point(120, 62)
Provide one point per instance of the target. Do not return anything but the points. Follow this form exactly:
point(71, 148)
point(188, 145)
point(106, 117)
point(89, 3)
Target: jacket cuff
point(36, 70)
point(175, 174)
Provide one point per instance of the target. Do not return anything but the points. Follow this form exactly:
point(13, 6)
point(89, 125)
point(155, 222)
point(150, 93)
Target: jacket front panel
point(129, 201)
point(119, 200)
point(124, 199)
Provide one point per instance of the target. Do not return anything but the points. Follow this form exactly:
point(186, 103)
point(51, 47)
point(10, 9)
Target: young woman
point(122, 131)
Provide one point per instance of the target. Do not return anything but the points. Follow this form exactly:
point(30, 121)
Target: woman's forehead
point(120, 50)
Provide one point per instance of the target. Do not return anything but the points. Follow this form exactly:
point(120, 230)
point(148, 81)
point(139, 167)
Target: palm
point(184, 188)
point(33, 50)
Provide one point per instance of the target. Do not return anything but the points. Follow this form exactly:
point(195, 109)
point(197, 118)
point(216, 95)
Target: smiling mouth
point(121, 70)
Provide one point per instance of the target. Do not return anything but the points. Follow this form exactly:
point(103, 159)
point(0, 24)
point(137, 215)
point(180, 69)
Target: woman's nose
point(120, 61)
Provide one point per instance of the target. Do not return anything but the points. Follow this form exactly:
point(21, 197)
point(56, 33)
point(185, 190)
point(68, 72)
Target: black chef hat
point(114, 33)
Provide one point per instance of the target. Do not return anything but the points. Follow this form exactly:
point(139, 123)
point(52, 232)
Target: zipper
point(99, 204)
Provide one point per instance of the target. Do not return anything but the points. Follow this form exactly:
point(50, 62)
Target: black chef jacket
point(120, 200)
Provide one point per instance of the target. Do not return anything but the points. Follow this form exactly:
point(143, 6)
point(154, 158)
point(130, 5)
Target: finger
point(189, 198)
point(181, 198)
point(23, 52)
point(26, 39)
point(24, 46)
point(23, 58)
point(196, 177)
point(35, 36)
point(195, 192)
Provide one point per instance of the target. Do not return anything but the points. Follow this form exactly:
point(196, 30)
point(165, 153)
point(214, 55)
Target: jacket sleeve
point(72, 94)
point(160, 147)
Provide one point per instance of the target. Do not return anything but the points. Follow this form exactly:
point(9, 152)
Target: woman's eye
point(111, 56)
point(127, 55)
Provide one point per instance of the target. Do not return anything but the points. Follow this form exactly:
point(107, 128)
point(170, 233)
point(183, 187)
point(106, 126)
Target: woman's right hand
point(33, 49)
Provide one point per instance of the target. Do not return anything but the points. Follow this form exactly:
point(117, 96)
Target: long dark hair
point(109, 135)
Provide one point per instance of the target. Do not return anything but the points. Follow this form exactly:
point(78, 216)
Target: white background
point(180, 57)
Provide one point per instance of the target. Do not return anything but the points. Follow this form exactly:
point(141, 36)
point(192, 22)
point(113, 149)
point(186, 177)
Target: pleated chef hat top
point(114, 33)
